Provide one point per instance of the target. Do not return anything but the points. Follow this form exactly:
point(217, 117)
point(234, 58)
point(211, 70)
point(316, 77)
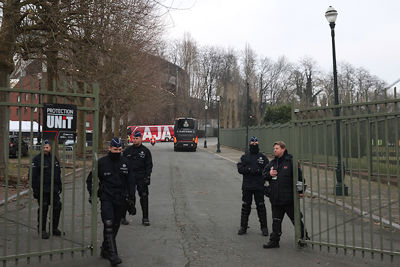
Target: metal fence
point(20, 229)
point(368, 218)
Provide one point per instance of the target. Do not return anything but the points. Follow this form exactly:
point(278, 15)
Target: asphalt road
point(195, 202)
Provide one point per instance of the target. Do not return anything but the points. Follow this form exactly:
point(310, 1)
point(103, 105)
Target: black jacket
point(140, 160)
point(116, 179)
point(282, 186)
point(251, 166)
point(47, 166)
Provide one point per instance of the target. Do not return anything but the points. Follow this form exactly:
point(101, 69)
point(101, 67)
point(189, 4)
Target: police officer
point(48, 166)
point(140, 158)
point(251, 165)
point(116, 179)
point(279, 174)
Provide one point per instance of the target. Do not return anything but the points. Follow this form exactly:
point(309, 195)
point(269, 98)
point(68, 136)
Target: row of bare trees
point(216, 71)
point(83, 42)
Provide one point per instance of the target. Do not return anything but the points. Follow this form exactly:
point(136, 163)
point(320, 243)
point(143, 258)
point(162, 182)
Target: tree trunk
point(116, 122)
point(81, 129)
point(8, 32)
point(108, 130)
point(100, 130)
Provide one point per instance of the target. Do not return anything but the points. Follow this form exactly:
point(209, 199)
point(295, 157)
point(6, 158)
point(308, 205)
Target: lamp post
point(247, 118)
point(331, 15)
point(205, 128)
point(218, 144)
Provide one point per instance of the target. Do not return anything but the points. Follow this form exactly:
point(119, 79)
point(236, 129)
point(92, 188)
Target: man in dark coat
point(250, 166)
point(116, 185)
point(45, 195)
point(279, 174)
point(141, 162)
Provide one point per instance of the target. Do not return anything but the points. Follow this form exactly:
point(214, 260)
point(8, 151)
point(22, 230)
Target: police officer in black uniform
point(279, 174)
point(48, 165)
point(251, 165)
point(140, 158)
point(116, 186)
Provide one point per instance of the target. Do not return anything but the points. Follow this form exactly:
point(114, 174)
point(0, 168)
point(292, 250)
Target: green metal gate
point(19, 236)
point(366, 220)
point(352, 205)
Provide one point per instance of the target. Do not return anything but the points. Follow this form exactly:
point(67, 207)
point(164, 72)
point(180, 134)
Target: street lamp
point(218, 144)
point(205, 128)
point(331, 15)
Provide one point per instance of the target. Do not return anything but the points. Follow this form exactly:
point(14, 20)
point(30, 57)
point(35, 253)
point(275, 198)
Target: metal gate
point(367, 219)
point(20, 230)
point(353, 193)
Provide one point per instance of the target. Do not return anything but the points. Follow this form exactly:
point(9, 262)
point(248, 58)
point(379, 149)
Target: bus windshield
point(185, 124)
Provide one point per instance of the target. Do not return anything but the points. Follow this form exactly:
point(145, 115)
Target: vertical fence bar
point(84, 168)
point(6, 141)
point(397, 145)
point(351, 166)
point(30, 199)
point(326, 182)
point(388, 182)
point(343, 173)
point(378, 174)
point(360, 183)
point(369, 159)
point(319, 189)
point(334, 195)
point(20, 109)
point(296, 198)
point(311, 153)
point(94, 169)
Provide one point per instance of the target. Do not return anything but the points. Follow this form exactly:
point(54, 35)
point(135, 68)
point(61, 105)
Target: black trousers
point(247, 198)
point(45, 208)
point(278, 212)
point(111, 211)
point(143, 191)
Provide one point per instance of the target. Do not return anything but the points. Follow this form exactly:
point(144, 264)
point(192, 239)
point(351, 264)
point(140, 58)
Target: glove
point(146, 180)
point(131, 206)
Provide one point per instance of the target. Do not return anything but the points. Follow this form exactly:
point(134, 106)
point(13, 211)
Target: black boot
point(56, 218)
point(110, 243)
point(262, 217)
point(45, 235)
point(144, 203)
point(145, 222)
point(271, 244)
point(242, 230)
point(124, 221)
point(244, 218)
point(273, 241)
point(264, 231)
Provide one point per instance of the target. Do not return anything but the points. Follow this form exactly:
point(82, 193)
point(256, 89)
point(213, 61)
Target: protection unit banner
point(59, 121)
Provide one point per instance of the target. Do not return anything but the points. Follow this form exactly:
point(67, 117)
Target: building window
point(19, 98)
point(36, 96)
point(26, 97)
point(35, 110)
point(87, 124)
point(25, 110)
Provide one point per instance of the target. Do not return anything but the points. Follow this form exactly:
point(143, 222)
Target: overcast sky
point(367, 32)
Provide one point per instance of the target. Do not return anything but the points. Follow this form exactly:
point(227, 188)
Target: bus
point(186, 137)
point(162, 133)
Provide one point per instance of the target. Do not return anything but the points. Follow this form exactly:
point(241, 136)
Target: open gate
point(20, 231)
